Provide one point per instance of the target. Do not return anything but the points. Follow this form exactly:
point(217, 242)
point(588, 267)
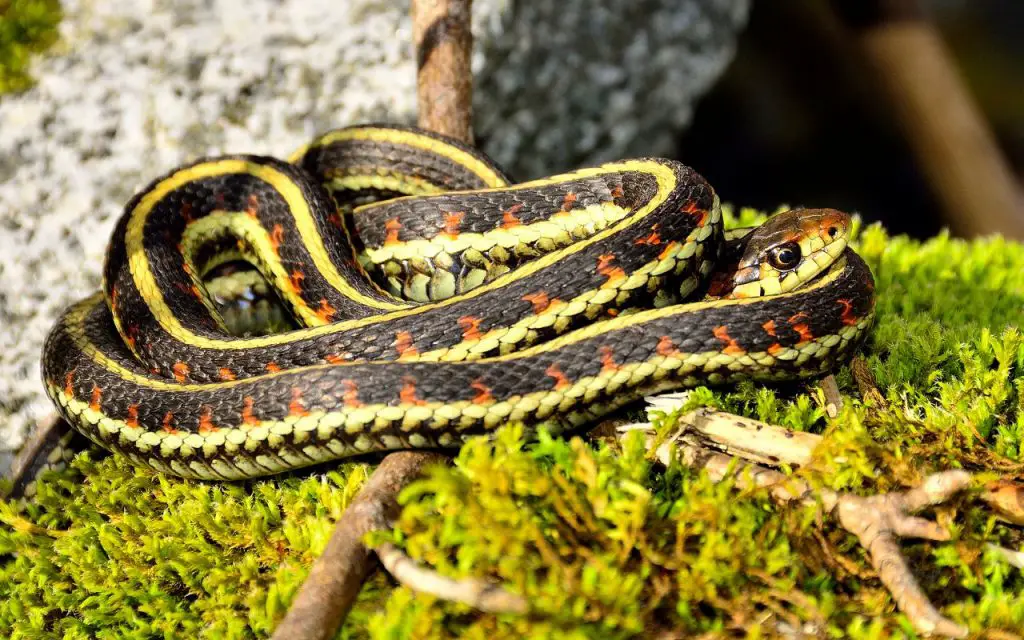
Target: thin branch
point(833, 399)
point(479, 594)
point(1006, 498)
point(878, 521)
point(744, 437)
point(1016, 558)
point(444, 50)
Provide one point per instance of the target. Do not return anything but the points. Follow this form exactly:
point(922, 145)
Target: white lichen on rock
point(137, 87)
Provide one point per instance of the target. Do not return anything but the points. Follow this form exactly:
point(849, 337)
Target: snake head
point(788, 250)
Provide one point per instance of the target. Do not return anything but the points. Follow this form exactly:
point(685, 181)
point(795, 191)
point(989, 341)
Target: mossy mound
point(602, 541)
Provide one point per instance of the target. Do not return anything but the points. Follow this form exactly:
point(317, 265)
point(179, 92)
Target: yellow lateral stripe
point(77, 315)
point(358, 420)
point(666, 181)
point(620, 322)
point(370, 411)
point(600, 216)
point(410, 139)
point(298, 207)
point(221, 258)
point(400, 184)
point(193, 235)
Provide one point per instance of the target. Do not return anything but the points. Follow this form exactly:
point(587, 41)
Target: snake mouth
point(785, 253)
point(828, 272)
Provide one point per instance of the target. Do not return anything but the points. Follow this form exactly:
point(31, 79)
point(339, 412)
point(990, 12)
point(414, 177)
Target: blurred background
point(803, 110)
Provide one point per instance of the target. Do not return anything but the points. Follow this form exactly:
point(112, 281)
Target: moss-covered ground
point(603, 542)
point(27, 27)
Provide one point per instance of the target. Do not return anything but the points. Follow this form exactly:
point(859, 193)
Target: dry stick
point(327, 595)
point(760, 442)
point(443, 49)
point(877, 521)
point(479, 594)
point(1004, 496)
point(29, 458)
point(1016, 558)
point(947, 132)
point(742, 437)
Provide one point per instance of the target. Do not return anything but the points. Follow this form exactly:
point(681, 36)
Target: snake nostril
point(832, 231)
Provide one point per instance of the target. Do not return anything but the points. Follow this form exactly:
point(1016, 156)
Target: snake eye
point(785, 256)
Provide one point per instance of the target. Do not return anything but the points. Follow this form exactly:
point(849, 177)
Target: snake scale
point(432, 300)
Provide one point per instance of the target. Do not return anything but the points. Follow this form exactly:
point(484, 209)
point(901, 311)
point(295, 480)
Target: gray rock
point(138, 87)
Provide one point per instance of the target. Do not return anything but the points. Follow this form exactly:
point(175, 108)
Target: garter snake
point(549, 302)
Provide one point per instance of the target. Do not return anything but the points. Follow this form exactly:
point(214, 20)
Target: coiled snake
point(550, 302)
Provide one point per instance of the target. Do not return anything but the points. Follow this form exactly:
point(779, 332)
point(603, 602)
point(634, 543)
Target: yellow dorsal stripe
point(412, 139)
point(139, 265)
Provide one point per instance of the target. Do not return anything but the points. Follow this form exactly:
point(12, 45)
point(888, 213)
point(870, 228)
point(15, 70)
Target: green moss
point(27, 27)
point(602, 541)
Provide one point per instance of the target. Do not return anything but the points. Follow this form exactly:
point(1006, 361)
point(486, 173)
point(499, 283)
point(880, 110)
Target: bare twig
point(945, 128)
point(479, 594)
point(737, 435)
point(444, 48)
point(753, 440)
point(1016, 558)
point(1006, 498)
point(878, 521)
